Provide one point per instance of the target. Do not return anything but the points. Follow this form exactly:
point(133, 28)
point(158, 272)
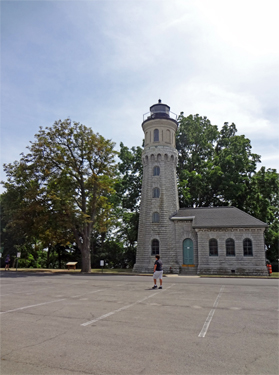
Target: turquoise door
point(188, 251)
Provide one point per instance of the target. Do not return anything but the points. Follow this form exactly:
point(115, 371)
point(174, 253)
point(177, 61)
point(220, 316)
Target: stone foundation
point(248, 271)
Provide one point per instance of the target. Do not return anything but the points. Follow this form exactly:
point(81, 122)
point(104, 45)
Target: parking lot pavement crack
point(45, 366)
point(36, 344)
point(41, 316)
point(252, 362)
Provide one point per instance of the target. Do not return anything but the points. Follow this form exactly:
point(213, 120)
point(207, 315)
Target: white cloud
point(104, 63)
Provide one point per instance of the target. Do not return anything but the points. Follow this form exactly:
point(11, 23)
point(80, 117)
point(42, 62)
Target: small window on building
point(213, 247)
point(156, 193)
point(168, 138)
point(247, 247)
point(155, 248)
point(156, 171)
point(155, 217)
point(230, 247)
point(156, 135)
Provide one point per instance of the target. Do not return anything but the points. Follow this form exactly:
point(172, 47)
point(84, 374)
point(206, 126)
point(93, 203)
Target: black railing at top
point(149, 115)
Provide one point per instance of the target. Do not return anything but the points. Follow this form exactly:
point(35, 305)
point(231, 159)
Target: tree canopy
point(217, 168)
point(64, 182)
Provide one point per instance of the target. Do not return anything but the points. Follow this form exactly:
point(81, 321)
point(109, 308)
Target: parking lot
point(100, 324)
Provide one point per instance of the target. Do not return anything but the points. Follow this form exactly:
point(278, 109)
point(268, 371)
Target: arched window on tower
point(156, 135)
point(156, 193)
point(168, 138)
point(155, 247)
point(155, 217)
point(156, 171)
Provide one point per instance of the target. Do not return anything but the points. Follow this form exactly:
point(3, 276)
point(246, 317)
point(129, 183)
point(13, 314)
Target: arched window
point(156, 135)
point(155, 248)
point(230, 247)
point(247, 247)
point(156, 193)
point(155, 217)
point(213, 247)
point(168, 136)
point(156, 171)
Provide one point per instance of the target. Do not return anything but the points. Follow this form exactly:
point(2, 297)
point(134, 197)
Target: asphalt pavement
point(56, 324)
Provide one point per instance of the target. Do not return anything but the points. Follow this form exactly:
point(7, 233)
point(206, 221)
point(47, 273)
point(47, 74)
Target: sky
point(104, 63)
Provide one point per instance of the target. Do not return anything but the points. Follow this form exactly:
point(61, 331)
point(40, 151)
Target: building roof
point(218, 217)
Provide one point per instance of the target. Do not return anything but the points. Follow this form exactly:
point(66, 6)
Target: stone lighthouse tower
point(159, 197)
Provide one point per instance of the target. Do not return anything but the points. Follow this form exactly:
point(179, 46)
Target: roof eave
point(183, 218)
point(229, 226)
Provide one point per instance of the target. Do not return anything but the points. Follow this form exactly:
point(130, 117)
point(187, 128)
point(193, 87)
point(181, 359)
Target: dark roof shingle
point(226, 216)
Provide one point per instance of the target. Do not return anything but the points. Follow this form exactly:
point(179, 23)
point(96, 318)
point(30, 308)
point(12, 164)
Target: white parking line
point(122, 308)
point(28, 307)
point(210, 315)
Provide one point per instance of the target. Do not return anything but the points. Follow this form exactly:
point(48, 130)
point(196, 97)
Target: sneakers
point(155, 287)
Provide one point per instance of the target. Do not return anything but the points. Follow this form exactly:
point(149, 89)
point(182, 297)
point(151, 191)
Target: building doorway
point(188, 252)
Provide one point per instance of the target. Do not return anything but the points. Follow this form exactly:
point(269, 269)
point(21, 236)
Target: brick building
point(213, 240)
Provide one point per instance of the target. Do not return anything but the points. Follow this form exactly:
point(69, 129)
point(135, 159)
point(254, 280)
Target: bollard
point(269, 267)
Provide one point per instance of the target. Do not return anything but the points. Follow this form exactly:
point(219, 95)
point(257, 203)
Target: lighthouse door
point(188, 251)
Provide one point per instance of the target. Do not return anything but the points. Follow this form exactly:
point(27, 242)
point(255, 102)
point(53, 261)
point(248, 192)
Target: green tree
point(69, 173)
point(263, 203)
point(195, 141)
point(234, 165)
point(10, 239)
point(128, 187)
point(218, 168)
point(214, 167)
point(128, 194)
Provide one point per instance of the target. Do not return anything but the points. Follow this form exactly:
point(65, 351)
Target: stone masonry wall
point(238, 264)
point(166, 205)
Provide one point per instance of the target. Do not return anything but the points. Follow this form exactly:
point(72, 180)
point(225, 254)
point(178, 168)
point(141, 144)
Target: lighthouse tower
point(159, 196)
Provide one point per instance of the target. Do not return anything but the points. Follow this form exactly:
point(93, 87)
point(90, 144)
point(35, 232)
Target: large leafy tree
point(218, 168)
point(128, 194)
point(66, 179)
point(234, 165)
point(130, 176)
point(195, 141)
point(28, 221)
point(263, 203)
point(215, 167)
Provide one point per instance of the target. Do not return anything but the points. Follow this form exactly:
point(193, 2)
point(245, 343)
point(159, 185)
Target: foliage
point(214, 167)
point(128, 187)
point(128, 194)
point(217, 168)
point(263, 203)
point(64, 183)
point(195, 141)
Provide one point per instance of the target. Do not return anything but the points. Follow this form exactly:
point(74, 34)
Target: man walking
point(158, 272)
point(7, 262)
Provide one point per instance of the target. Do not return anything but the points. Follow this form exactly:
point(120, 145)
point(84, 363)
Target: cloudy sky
point(104, 63)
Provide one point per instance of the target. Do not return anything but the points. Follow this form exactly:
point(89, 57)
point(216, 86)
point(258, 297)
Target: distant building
point(213, 240)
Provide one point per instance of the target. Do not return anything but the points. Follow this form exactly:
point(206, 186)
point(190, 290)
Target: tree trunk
point(83, 242)
point(59, 256)
point(48, 254)
point(85, 258)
